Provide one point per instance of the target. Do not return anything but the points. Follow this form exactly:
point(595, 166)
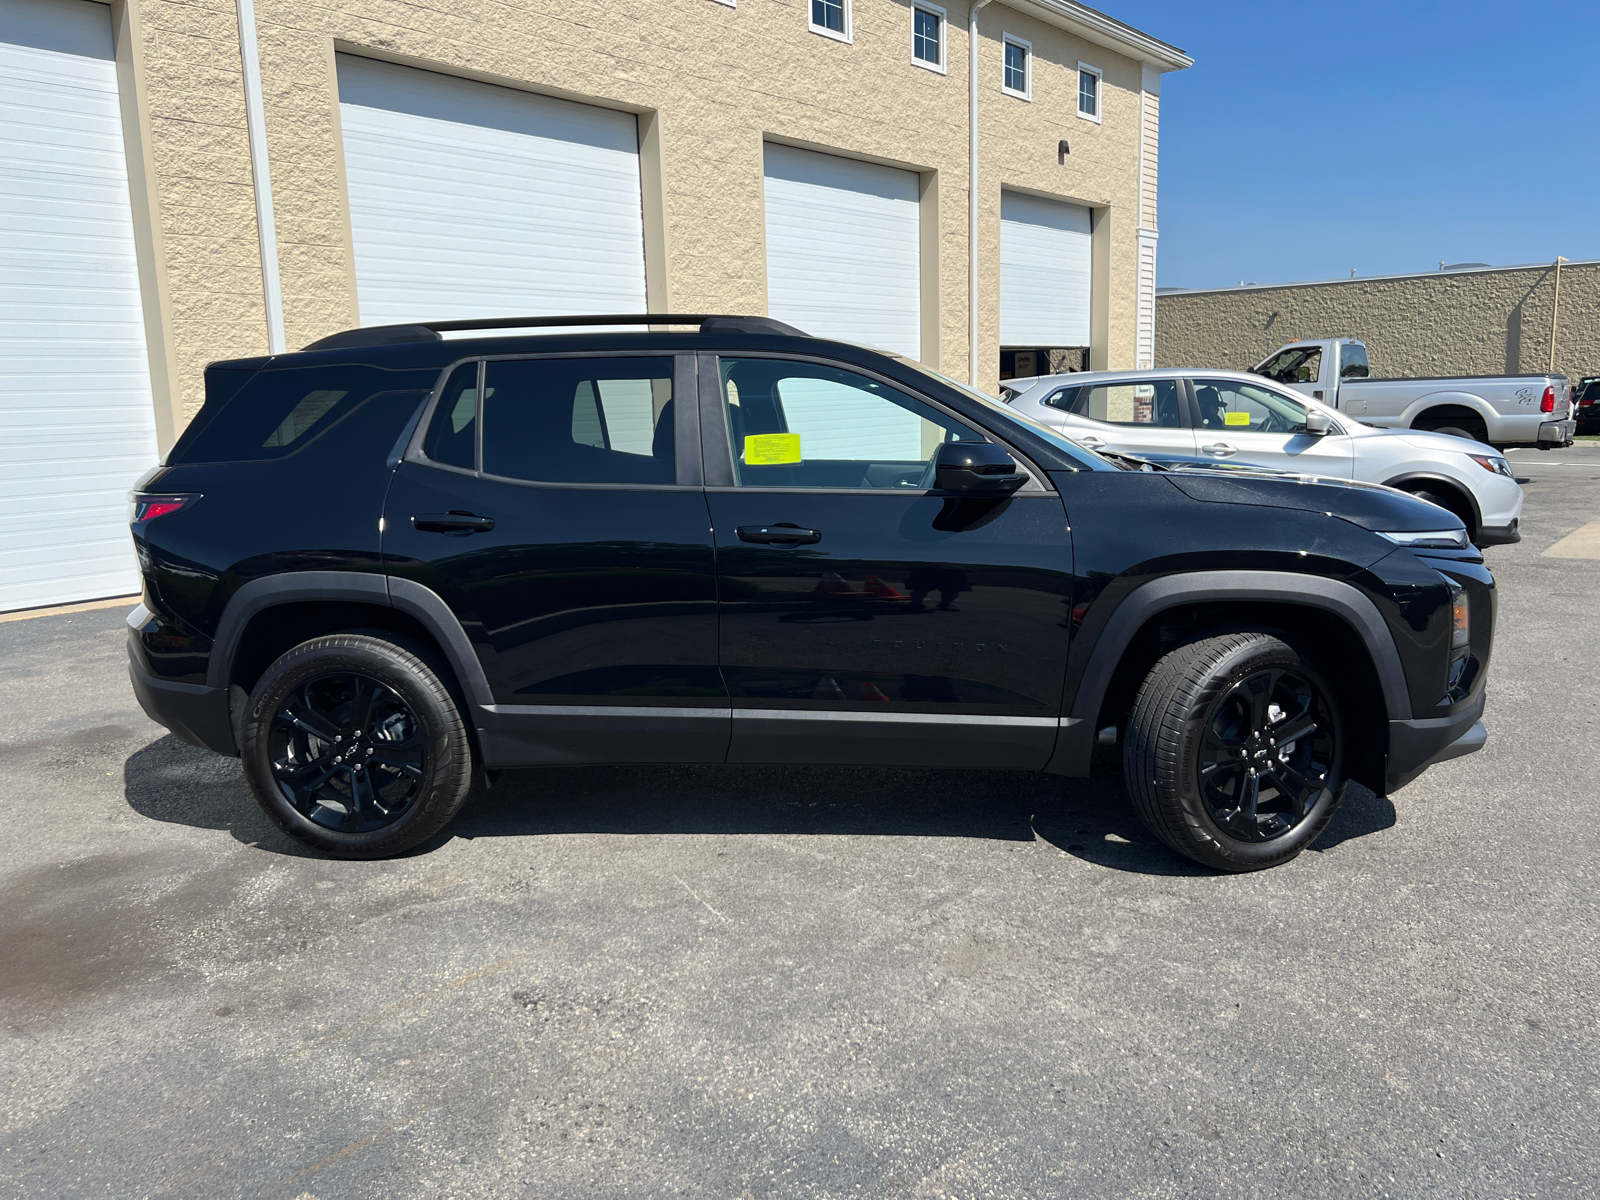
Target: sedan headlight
point(1438, 539)
point(1492, 462)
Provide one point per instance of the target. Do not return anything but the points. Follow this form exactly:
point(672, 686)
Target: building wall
point(711, 83)
point(1490, 322)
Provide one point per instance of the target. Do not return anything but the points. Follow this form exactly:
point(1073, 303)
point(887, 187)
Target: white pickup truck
point(1502, 410)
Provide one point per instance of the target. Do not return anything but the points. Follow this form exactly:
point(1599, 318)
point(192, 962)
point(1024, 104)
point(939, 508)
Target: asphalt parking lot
point(805, 982)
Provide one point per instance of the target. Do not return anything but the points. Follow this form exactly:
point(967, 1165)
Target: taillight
point(1548, 404)
point(148, 508)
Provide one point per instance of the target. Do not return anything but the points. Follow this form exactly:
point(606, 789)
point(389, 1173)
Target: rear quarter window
point(278, 413)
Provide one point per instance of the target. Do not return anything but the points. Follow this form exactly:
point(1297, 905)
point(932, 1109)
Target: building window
point(927, 36)
point(1019, 69)
point(1088, 92)
point(831, 18)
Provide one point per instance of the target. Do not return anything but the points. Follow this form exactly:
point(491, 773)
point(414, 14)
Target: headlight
point(1492, 462)
point(1439, 539)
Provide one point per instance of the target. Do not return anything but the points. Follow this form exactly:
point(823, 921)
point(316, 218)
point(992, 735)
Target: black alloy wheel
point(1235, 751)
point(347, 752)
point(1266, 754)
point(354, 745)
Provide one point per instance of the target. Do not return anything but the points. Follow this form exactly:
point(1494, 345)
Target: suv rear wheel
point(353, 745)
point(1235, 751)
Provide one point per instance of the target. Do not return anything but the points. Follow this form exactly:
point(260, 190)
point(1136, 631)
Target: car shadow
point(1089, 819)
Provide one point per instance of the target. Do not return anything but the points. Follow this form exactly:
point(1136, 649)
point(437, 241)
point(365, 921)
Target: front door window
point(807, 425)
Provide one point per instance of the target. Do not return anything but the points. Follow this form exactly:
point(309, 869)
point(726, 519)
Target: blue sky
point(1310, 139)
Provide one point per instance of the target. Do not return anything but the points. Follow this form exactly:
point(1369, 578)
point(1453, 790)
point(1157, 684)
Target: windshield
point(1089, 458)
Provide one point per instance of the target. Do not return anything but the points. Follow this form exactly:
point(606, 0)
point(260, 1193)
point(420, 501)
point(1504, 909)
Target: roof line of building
point(1269, 287)
point(1106, 31)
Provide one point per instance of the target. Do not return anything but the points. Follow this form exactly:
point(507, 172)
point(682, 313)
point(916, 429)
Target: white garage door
point(843, 249)
point(77, 427)
point(469, 200)
point(1045, 257)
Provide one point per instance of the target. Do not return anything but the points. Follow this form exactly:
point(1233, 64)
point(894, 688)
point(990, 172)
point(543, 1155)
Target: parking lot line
point(1583, 542)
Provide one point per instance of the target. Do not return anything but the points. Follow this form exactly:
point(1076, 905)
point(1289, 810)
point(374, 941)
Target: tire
point(353, 745)
point(1451, 504)
point(1462, 427)
point(1179, 767)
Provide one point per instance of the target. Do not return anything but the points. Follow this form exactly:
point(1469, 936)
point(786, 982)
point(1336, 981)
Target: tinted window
point(1154, 403)
point(579, 420)
point(280, 412)
point(1227, 406)
point(1353, 362)
point(808, 425)
point(453, 436)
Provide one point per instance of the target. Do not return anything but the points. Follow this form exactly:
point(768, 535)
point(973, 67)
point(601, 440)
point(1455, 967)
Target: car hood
point(1369, 505)
point(1441, 443)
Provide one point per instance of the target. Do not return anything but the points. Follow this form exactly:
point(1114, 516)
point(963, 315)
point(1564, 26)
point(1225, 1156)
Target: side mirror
point(1317, 423)
point(976, 468)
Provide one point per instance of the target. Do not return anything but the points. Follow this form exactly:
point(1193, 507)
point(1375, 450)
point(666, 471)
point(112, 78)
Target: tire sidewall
point(1239, 664)
point(413, 682)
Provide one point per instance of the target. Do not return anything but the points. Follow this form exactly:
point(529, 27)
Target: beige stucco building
point(1477, 321)
point(215, 179)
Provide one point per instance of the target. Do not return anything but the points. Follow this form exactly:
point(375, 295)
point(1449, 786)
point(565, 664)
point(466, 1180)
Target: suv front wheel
point(353, 745)
point(1235, 751)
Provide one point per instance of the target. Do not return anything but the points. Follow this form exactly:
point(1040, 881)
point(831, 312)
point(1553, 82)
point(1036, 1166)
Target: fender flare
point(1342, 600)
point(405, 595)
point(1455, 485)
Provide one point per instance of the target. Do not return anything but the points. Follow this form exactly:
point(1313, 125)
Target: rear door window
point(1353, 362)
point(579, 420)
point(1153, 403)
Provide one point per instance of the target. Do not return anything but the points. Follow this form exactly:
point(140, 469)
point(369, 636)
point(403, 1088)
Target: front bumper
point(196, 714)
point(1498, 535)
point(1556, 433)
point(1416, 745)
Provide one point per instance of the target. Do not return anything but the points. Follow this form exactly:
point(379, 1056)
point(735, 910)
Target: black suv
point(393, 564)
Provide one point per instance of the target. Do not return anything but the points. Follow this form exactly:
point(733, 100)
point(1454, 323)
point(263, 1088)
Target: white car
point(1238, 417)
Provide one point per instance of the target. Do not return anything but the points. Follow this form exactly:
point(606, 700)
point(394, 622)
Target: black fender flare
point(405, 595)
point(1455, 485)
point(1343, 600)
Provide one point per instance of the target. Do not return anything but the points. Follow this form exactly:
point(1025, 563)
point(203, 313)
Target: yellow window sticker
point(1236, 418)
point(770, 449)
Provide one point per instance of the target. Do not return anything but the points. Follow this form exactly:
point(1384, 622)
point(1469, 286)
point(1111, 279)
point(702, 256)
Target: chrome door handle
point(1092, 442)
point(778, 535)
point(452, 522)
point(1220, 449)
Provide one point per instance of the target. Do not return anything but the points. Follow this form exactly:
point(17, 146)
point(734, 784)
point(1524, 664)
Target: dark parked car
point(391, 565)
point(1586, 403)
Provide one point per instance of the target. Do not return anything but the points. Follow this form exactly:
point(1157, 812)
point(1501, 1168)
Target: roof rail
point(429, 331)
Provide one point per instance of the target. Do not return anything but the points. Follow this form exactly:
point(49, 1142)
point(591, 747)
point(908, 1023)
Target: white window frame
point(941, 67)
point(1099, 93)
point(847, 37)
point(1027, 67)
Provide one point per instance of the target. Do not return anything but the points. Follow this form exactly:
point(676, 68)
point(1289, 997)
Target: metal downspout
point(972, 191)
point(256, 126)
